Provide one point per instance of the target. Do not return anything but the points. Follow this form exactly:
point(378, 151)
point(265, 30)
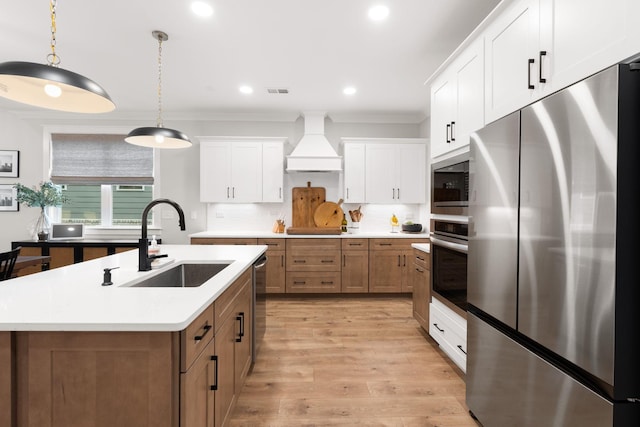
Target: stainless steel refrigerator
point(553, 287)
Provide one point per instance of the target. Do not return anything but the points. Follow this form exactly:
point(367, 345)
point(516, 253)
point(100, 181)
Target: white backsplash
point(261, 216)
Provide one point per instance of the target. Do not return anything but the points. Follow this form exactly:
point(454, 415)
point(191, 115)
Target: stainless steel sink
point(182, 276)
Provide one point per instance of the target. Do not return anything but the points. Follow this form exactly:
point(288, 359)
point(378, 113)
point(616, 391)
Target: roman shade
point(92, 159)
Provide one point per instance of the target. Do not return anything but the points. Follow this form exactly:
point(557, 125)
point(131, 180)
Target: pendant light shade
point(48, 86)
point(159, 136)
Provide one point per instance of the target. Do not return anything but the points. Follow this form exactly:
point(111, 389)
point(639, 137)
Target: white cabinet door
point(512, 52)
point(442, 114)
point(380, 184)
point(354, 172)
point(272, 172)
point(215, 171)
point(469, 114)
point(246, 172)
point(582, 37)
point(411, 163)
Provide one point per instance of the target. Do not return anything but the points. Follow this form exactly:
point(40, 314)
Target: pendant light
point(159, 136)
point(49, 86)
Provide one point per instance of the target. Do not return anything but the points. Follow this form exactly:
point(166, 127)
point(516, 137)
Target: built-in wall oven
point(450, 186)
point(449, 245)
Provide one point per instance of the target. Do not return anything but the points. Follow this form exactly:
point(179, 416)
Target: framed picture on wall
point(9, 163)
point(8, 198)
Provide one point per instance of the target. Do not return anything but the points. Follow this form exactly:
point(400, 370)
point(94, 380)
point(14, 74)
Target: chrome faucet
point(144, 260)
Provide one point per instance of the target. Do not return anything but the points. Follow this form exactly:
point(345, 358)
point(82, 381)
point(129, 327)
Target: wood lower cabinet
point(276, 265)
point(313, 265)
point(421, 279)
point(390, 263)
point(355, 265)
point(6, 380)
point(189, 378)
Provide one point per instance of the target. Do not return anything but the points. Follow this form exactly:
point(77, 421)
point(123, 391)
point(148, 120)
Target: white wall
point(178, 176)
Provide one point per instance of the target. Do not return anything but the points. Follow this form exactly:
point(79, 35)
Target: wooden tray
point(305, 201)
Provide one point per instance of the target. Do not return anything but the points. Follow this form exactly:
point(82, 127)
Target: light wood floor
point(350, 362)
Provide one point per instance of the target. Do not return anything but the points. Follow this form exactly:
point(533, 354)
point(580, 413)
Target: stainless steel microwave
point(450, 186)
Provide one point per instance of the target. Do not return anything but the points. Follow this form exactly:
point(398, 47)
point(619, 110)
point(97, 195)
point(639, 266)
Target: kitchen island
point(74, 352)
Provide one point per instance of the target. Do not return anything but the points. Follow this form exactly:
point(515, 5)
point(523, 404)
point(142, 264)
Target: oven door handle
point(449, 245)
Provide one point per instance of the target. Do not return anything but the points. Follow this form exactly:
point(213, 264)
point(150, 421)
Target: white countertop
point(424, 247)
point(348, 235)
point(72, 298)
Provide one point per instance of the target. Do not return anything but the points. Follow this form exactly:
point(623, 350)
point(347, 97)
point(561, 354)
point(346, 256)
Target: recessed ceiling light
point(247, 90)
point(378, 13)
point(201, 8)
point(349, 90)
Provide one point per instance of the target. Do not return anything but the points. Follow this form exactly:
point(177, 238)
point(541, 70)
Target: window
point(107, 182)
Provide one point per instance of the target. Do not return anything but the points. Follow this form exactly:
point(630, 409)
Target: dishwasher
point(259, 318)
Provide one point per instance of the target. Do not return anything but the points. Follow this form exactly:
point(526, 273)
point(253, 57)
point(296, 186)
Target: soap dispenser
point(154, 249)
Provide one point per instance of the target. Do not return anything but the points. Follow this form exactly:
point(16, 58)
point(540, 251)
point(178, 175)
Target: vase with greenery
point(48, 194)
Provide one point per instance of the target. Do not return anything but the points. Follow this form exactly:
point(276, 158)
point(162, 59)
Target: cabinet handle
point(205, 329)
point(281, 260)
point(355, 244)
point(233, 192)
point(394, 194)
point(529, 62)
point(453, 128)
point(398, 260)
point(347, 194)
point(460, 347)
point(327, 282)
point(214, 387)
point(299, 282)
point(419, 271)
point(436, 325)
point(227, 192)
point(448, 131)
point(542, 80)
point(421, 259)
point(327, 261)
point(344, 260)
point(240, 318)
point(299, 261)
point(404, 260)
point(398, 194)
point(385, 244)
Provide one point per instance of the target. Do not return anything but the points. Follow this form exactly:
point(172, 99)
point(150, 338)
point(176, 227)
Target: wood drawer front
point(450, 334)
point(393, 244)
point(313, 245)
point(274, 244)
point(422, 259)
point(223, 241)
point(302, 262)
point(196, 337)
point(313, 282)
point(355, 244)
point(223, 306)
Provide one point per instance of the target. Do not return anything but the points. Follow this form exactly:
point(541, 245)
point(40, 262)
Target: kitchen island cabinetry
point(390, 262)
point(233, 170)
point(313, 266)
point(355, 266)
point(276, 270)
point(421, 278)
point(395, 171)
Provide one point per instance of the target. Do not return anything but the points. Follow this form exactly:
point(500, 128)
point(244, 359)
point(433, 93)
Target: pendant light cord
point(159, 121)
point(53, 59)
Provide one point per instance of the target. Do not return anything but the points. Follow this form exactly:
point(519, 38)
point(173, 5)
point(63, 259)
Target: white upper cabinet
point(233, 170)
point(537, 47)
point(457, 102)
point(354, 172)
point(395, 172)
point(512, 46)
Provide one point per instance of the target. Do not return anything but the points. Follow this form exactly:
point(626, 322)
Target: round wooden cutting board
point(328, 214)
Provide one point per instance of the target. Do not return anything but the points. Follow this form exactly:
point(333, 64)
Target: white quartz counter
point(72, 298)
point(348, 235)
point(424, 247)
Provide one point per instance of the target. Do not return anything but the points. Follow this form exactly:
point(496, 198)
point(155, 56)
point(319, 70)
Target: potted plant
point(48, 194)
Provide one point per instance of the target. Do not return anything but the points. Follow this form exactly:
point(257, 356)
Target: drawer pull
point(438, 328)
point(299, 282)
point(327, 282)
point(385, 244)
point(419, 271)
point(205, 329)
point(355, 244)
point(460, 347)
point(299, 261)
point(214, 387)
point(421, 259)
point(327, 261)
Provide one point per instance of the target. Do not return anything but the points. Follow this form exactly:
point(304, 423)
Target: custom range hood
point(314, 153)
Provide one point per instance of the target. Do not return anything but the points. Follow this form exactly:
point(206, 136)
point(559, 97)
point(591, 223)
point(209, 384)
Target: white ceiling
point(314, 48)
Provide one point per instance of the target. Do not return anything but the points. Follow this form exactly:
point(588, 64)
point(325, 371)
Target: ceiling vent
point(277, 90)
point(314, 152)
